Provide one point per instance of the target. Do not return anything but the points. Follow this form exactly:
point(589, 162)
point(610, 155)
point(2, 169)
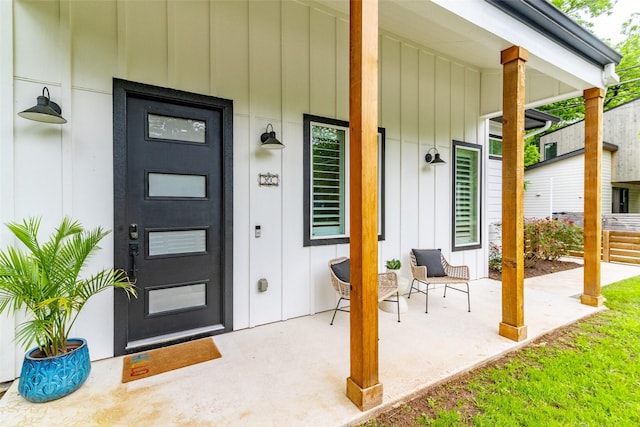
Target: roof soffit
point(475, 32)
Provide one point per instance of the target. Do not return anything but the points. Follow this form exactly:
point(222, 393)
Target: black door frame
point(121, 90)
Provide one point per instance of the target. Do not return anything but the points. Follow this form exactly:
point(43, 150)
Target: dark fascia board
point(550, 21)
point(605, 146)
point(541, 116)
point(533, 119)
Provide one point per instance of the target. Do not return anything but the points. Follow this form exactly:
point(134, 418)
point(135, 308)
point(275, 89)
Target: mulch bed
point(540, 268)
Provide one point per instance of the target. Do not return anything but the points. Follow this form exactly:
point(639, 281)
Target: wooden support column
point(593, 120)
point(363, 387)
point(513, 89)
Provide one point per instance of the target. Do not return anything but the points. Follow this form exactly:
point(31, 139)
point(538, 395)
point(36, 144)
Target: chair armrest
point(387, 285)
point(342, 288)
point(459, 271)
point(419, 272)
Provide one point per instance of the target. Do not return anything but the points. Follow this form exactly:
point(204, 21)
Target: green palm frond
point(45, 279)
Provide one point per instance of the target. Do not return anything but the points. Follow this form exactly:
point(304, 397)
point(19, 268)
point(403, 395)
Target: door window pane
point(177, 242)
point(177, 298)
point(176, 128)
point(174, 185)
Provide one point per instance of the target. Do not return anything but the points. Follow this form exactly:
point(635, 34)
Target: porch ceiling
point(439, 30)
point(475, 33)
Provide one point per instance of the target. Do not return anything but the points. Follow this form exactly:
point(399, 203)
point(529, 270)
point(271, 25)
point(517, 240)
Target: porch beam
point(593, 124)
point(363, 387)
point(513, 61)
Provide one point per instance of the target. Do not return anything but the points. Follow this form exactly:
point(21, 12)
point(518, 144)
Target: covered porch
point(439, 75)
point(292, 373)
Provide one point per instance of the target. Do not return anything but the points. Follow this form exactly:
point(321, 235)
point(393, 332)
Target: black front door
point(172, 175)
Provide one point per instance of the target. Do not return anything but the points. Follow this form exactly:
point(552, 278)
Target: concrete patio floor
point(293, 373)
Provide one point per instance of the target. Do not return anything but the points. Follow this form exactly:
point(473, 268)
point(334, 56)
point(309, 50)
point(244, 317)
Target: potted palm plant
point(45, 280)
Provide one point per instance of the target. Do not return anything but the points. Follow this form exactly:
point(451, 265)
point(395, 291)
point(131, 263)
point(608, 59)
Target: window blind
point(466, 197)
point(328, 181)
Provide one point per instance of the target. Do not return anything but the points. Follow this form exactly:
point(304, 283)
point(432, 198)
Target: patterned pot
point(48, 378)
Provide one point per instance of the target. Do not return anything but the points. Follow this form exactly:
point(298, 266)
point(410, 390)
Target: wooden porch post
point(593, 119)
point(513, 61)
point(363, 387)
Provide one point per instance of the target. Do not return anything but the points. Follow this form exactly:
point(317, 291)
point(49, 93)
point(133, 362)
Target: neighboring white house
point(535, 122)
point(556, 183)
point(166, 103)
point(556, 186)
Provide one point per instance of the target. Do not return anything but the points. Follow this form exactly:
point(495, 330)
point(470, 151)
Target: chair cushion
point(430, 258)
point(342, 270)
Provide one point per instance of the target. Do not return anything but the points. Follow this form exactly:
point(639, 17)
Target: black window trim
point(306, 204)
point(478, 147)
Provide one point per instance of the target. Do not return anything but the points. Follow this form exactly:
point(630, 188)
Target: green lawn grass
point(588, 377)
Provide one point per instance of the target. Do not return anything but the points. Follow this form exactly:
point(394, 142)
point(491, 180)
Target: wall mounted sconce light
point(269, 139)
point(433, 159)
point(45, 110)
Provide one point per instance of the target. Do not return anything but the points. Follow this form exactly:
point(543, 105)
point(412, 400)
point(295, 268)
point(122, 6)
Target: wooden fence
point(619, 246)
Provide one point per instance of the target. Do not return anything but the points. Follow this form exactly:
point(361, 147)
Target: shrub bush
point(547, 239)
point(495, 257)
point(551, 238)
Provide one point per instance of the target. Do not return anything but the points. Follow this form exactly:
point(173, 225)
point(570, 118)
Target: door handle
point(133, 254)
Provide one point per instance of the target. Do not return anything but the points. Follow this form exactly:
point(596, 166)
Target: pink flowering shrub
point(547, 239)
point(550, 238)
point(495, 257)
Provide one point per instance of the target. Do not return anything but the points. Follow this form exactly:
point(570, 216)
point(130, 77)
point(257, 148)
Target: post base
point(364, 398)
point(591, 300)
point(514, 333)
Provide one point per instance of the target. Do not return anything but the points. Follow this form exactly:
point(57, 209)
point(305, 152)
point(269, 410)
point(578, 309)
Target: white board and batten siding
point(276, 61)
point(494, 199)
point(559, 187)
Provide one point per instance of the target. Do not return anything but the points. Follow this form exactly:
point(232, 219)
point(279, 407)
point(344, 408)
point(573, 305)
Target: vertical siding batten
point(427, 131)
point(66, 141)
point(265, 107)
point(297, 300)
point(389, 103)
point(410, 150)
point(442, 125)
point(9, 362)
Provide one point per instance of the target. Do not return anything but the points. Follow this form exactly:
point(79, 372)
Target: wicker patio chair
point(431, 268)
point(339, 273)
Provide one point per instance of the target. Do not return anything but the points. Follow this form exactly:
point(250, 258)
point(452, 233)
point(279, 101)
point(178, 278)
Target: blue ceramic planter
point(50, 378)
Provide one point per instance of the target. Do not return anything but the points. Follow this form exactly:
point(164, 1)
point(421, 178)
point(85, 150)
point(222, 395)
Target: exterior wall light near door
point(269, 139)
point(433, 159)
point(45, 110)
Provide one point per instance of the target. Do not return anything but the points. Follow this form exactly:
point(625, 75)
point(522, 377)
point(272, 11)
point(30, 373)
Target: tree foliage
point(577, 9)
point(531, 153)
point(583, 11)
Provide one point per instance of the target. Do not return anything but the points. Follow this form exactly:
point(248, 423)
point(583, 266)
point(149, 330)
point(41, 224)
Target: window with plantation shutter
point(326, 181)
point(466, 200)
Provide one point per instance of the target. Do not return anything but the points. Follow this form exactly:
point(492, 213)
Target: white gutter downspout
point(546, 126)
point(609, 76)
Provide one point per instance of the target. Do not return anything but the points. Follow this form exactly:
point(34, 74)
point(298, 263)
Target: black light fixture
point(45, 110)
point(269, 139)
point(433, 159)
